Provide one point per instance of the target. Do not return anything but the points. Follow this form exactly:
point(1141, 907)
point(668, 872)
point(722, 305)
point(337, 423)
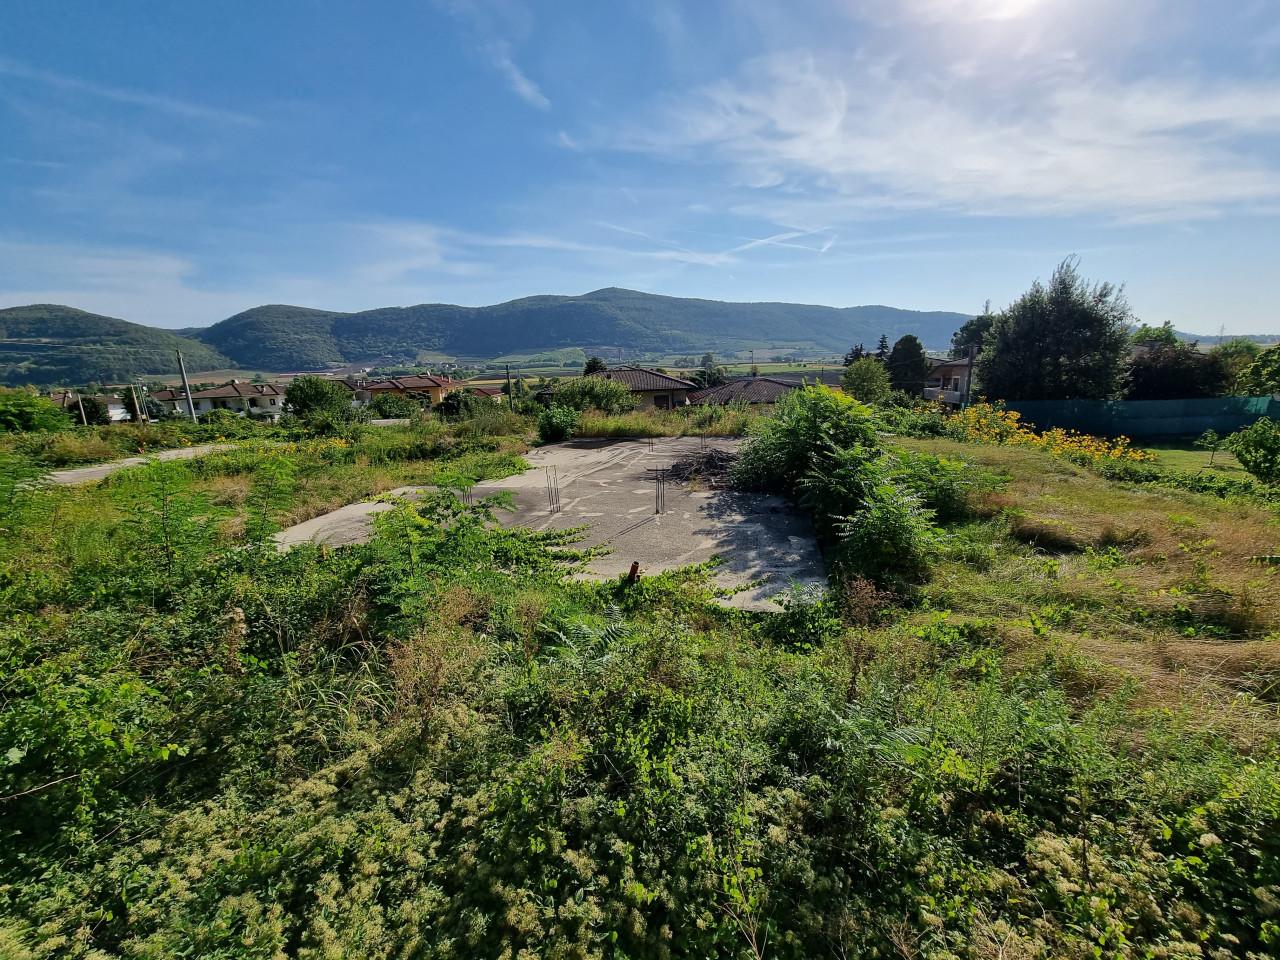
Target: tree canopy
point(907, 365)
point(972, 332)
point(1263, 375)
point(1176, 371)
point(1163, 334)
point(1068, 340)
point(594, 365)
point(854, 354)
point(310, 397)
point(24, 412)
point(866, 379)
point(1235, 356)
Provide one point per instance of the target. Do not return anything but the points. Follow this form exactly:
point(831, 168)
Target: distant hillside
point(46, 344)
point(279, 337)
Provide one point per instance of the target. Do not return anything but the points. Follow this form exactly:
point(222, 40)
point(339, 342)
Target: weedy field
point(1034, 716)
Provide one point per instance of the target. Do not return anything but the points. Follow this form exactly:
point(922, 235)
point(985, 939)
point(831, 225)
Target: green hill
point(280, 337)
point(46, 344)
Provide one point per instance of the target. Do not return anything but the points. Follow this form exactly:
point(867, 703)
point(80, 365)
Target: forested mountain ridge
point(46, 344)
point(287, 337)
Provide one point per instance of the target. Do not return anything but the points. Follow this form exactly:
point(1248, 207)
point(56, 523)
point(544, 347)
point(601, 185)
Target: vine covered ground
point(1043, 724)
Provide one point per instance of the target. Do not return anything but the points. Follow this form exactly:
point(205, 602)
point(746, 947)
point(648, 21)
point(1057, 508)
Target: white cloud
point(875, 132)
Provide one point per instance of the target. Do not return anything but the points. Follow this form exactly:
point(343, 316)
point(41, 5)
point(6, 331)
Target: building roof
point(949, 362)
point(643, 380)
point(66, 399)
point(830, 378)
point(230, 390)
point(486, 391)
point(745, 390)
point(165, 395)
point(422, 382)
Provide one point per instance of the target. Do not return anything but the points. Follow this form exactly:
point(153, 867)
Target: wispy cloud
point(136, 98)
point(493, 24)
point(499, 53)
point(878, 131)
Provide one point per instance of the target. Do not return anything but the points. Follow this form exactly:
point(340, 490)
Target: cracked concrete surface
point(97, 471)
point(607, 486)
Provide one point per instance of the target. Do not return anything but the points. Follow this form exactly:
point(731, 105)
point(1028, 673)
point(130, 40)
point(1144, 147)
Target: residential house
point(749, 390)
point(69, 402)
point(949, 380)
point(261, 400)
point(428, 387)
point(650, 388)
point(495, 394)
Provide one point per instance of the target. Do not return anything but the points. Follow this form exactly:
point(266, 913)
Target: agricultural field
point(1033, 715)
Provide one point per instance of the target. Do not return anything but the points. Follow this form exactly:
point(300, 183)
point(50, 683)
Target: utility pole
point(84, 421)
point(511, 398)
point(186, 386)
point(968, 380)
point(138, 412)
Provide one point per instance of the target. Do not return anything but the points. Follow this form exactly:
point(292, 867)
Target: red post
point(634, 575)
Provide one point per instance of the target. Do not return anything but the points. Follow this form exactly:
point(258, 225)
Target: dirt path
point(97, 471)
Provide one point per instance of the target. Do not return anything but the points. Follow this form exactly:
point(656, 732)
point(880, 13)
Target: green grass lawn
point(1183, 455)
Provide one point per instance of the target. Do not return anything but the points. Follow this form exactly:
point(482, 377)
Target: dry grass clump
point(708, 421)
point(432, 666)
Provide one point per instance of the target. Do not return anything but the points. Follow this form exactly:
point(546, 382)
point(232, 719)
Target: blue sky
point(174, 163)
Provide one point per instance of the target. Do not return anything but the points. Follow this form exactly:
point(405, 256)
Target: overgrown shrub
point(441, 744)
point(394, 406)
point(821, 447)
point(1257, 447)
point(557, 423)
point(593, 393)
point(805, 425)
point(22, 411)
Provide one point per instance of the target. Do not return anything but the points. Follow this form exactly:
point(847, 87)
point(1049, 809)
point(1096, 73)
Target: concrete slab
point(608, 487)
point(97, 471)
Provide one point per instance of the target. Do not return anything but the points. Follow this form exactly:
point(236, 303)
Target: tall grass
point(707, 421)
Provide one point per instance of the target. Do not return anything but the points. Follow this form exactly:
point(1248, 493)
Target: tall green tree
point(972, 332)
point(96, 413)
point(1164, 334)
point(594, 365)
point(882, 348)
point(312, 397)
point(1177, 371)
point(1068, 340)
point(907, 365)
point(709, 373)
point(855, 354)
point(1249, 369)
point(866, 379)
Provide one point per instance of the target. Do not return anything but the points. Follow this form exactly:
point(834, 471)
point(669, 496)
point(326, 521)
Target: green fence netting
point(1147, 418)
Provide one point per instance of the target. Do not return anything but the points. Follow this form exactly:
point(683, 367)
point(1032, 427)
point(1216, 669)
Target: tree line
point(1071, 339)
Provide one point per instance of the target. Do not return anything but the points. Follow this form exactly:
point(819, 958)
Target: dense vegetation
point(46, 344)
point(440, 744)
point(1064, 340)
